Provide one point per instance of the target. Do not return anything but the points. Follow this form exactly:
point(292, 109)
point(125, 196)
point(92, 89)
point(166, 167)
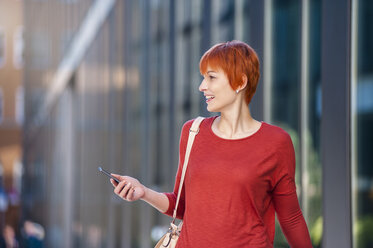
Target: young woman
point(240, 172)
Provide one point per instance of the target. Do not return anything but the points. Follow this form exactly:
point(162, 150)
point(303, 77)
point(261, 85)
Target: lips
point(209, 98)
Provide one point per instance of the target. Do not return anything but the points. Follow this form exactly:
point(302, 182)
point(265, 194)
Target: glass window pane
point(18, 47)
point(20, 104)
point(1, 105)
point(296, 100)
point(286, 63)
point(285, 89)
point(2, 47)
point(312, 174)
point(362, 134)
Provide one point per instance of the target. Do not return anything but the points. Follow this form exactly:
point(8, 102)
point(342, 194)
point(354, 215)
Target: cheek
point(225, 95)
point(226, 90)
point(221, 86)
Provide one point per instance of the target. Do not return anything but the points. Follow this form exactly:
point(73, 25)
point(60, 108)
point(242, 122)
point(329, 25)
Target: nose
point(203, 86)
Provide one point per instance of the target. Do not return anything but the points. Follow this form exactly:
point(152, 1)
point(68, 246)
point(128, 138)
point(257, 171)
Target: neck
point(236, 122)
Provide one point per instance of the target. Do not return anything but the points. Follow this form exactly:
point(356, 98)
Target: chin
point(211, 109)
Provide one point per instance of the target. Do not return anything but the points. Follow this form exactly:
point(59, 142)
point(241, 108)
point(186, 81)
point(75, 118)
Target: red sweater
point(232, 189)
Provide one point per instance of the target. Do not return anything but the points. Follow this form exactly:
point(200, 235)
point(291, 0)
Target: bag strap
point(193, 131)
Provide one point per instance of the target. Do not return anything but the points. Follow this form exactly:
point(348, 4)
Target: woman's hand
point(129, 189)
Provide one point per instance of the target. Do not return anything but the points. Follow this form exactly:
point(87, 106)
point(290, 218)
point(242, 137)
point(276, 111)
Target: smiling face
point(239, 64)
point(218, 92)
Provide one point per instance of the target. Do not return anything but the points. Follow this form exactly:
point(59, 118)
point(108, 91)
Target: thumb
point(119, 177)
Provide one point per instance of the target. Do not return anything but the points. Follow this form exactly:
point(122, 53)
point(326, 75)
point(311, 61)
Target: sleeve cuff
point(171, 205)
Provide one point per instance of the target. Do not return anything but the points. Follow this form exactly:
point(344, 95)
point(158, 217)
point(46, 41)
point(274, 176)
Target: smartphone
point(108, 174)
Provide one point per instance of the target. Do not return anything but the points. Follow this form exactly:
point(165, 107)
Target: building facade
point(110, 83)
point(11, 110)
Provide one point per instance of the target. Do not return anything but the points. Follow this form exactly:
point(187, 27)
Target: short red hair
point(236, 59)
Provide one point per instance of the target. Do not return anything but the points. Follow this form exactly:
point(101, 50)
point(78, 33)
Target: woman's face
point(218, 92)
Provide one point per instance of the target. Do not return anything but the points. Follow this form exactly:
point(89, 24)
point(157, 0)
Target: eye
point(211, 77)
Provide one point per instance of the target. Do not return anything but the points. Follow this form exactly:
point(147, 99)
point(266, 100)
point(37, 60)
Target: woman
point(240, 172)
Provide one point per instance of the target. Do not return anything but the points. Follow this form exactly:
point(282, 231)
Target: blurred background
point(88, 83)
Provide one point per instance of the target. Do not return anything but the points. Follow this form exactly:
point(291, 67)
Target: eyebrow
point(212, 71)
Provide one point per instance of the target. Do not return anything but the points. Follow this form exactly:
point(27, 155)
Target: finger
point(119, 177)
point(123, 194)
point(125, 190)
point(114, 183)
point(119, 187)
point(131, 194)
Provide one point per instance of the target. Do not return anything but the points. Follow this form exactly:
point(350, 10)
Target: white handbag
point(169, 239)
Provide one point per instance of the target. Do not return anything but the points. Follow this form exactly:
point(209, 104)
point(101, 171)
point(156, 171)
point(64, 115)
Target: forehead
point(214, 69)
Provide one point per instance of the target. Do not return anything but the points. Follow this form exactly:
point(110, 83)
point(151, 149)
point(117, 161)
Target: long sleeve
point(285, 199)
point(291, 220)
point(172, 196)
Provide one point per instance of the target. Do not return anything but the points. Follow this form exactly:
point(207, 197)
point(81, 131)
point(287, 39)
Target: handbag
point(169, 239)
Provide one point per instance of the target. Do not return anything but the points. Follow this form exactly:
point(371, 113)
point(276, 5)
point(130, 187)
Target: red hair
point(236, 59)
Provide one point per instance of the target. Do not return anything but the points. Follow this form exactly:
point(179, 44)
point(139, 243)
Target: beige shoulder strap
point(193, 131)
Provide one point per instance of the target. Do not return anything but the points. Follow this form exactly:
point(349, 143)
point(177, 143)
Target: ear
point(244, 82)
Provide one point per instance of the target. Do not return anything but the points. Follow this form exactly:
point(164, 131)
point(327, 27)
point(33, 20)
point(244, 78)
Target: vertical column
point(206, 41)
point(304, 106)
point(267, 60)
point(112, 62)
point(146, 171)
point(335, 126)
point(172, 154)
point(65, 143)
point(126, 210)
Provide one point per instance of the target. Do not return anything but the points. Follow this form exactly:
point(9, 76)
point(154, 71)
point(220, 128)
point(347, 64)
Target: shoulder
point(188, 124)
point(277, 134)
point(282, 145)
